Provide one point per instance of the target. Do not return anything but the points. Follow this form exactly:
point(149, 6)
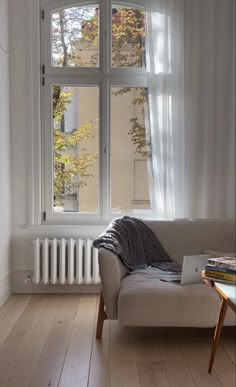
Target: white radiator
point(65, 261)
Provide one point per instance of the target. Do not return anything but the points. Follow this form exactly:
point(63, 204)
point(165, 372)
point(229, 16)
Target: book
point(220, 275)
point(219, 280)
point(227, 262)
point(220, 269)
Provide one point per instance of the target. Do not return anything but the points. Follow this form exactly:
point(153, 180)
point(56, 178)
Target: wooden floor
point(49, 340)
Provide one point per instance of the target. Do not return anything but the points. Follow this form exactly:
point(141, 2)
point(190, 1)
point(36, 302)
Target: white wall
point(5, 197)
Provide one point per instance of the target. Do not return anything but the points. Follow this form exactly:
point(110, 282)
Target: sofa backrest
point(190, 237)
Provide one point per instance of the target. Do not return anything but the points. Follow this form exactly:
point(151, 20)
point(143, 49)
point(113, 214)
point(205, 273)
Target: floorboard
point(49, 340)
point(7, 306)
point(11, 349)
point(51, 360)
point(77, 362)
point(123, 365)
point(10, 318)
point(176, 367)
point(23, 370)
point(151, 370)
point(99, 374)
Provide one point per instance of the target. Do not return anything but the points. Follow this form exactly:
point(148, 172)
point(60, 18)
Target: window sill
point(83, 228)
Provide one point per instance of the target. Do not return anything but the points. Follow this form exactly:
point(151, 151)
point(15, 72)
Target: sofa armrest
point(112, 271)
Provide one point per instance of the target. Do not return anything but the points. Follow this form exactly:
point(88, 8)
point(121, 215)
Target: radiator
point(65, 261)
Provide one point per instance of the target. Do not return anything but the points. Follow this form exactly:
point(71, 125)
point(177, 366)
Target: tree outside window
point(75, 42)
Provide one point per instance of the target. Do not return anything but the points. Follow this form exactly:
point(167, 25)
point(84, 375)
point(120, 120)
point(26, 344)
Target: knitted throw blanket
point(136, 245)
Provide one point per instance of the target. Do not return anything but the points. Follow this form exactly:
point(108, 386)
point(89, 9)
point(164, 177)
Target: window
point(96, 147)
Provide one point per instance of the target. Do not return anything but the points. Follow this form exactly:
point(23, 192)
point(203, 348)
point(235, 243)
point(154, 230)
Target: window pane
point(75, 148)
point(75, 37)
point(130, 150)
point(128, 37)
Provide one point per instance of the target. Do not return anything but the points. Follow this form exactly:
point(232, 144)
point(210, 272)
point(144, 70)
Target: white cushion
point(145, 301)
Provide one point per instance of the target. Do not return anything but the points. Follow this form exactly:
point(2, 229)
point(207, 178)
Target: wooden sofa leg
point(102, 316)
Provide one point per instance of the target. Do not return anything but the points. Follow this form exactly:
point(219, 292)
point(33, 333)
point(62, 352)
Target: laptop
point(191, 270)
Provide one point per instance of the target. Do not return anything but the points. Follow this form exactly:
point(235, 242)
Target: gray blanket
point(136, 245)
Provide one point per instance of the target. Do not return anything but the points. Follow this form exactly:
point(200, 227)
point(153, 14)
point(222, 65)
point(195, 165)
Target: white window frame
point(105, 77)
point(34, 155)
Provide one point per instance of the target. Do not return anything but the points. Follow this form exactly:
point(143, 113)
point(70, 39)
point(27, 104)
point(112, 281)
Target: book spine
point(224, 276)
point(220, 269)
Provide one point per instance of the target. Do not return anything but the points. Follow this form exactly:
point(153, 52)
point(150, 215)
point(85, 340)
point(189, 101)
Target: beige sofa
point(140, 300)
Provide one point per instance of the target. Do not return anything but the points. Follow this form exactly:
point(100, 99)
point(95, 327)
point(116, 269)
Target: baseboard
point(21, 282)
point(5, 288)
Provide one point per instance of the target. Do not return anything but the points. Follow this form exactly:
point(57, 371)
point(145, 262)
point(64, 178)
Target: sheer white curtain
point(191, 67)
point(165, 65)
point(210, 108)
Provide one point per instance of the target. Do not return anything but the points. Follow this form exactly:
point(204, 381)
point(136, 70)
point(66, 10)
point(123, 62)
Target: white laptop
point(191, 270)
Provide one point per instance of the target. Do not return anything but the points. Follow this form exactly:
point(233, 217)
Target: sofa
point(138, 299)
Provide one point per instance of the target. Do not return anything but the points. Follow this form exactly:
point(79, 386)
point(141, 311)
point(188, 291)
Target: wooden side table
point(227, 293)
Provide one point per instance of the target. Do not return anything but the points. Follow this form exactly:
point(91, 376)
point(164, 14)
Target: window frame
point(105, 77)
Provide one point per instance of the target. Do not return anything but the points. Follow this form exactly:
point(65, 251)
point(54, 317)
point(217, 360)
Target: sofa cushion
point(145, 300)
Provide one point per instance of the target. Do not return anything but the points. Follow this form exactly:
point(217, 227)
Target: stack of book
point(222, 269)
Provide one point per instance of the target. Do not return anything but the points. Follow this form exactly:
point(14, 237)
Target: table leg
point(218, 329)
